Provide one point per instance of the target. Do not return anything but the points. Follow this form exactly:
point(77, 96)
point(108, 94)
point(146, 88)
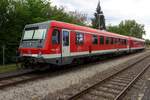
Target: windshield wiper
point(32, 39)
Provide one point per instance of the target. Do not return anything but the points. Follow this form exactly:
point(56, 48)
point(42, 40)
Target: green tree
point(80, 18)
point(147, 43)
point(98, 21)
point(15, 14)
point(128, 28)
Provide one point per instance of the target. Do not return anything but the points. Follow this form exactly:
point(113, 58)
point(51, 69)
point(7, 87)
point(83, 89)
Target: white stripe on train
point(48, 56)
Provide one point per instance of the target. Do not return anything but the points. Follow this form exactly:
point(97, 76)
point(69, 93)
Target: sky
point(114, 10)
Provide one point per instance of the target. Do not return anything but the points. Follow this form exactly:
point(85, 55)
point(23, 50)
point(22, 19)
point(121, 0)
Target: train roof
point(137, 39)
point(38, 24)
point(79, 28)
point(85, 29)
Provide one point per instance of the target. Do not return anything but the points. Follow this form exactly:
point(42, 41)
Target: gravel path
point(38, 89)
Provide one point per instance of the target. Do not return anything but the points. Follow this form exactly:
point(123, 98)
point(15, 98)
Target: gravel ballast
point(37, 90)
point(141, 88)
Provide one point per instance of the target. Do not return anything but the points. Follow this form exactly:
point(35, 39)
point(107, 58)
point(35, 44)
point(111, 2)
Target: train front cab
point(33, 44)
point(44, 44)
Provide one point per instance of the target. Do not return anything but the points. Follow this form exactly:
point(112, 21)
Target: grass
point(8, 68)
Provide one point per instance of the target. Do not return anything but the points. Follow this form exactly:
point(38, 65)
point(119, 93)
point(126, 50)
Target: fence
point(8, 53)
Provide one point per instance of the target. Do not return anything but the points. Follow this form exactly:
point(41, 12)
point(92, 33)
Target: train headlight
point(40, 54)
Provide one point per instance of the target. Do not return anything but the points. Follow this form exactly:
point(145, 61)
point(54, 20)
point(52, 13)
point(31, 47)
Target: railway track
point(15, 73)
point(18, 78)
point(14, 78)
point(22, 76)
point(115, 86)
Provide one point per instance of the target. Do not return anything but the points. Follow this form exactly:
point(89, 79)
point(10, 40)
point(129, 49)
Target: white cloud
point(114, 10)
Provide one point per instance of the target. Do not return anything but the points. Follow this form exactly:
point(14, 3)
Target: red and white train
point(61, 43)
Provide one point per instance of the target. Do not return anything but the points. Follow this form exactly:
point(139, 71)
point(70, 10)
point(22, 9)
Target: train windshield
point(34, 33)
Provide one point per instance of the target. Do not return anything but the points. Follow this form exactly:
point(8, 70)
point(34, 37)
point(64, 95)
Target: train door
point(65, 43)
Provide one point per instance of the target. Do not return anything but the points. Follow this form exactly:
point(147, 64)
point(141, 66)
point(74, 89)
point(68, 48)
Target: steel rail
point(85, 91)
point(131, 83)
point(20, 79)
point(15, 73)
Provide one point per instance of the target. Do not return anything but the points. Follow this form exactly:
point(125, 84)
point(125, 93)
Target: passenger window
point(112, 42)
point(95, 39)
point(125, 42)
point(65, 38)
point(107, 40)
point(56, 36)
point(101, 40)
point(119, 41)
point(122, 41)
point(115, 40)
point(79, 38)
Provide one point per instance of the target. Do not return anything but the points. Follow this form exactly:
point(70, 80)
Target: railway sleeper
point(113, 87)
point(25, 77)
point(129, 72)
point(71, 92)
point(124, 78)
point(102, 94)
point(16, 79)
point(91, 97)
point(120, 81)
point(108, 90)
point(6, 81)
point(118, 84)
point(138, 87)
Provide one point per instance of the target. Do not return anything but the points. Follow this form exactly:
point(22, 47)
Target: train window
point(122, 41)
point(56, 36)
point(79, 38)
point(115, 40)
point(39, 34)
point(125, 42)
point(111, 40)
point(95, 39)
point(119, 41)
point(101, 39)
point(107, 40)
point(65, 38)
point(28, 34)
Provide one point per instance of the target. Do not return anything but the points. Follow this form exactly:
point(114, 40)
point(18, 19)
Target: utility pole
point(99, 20)
point(3, 47)
point(100, 26)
